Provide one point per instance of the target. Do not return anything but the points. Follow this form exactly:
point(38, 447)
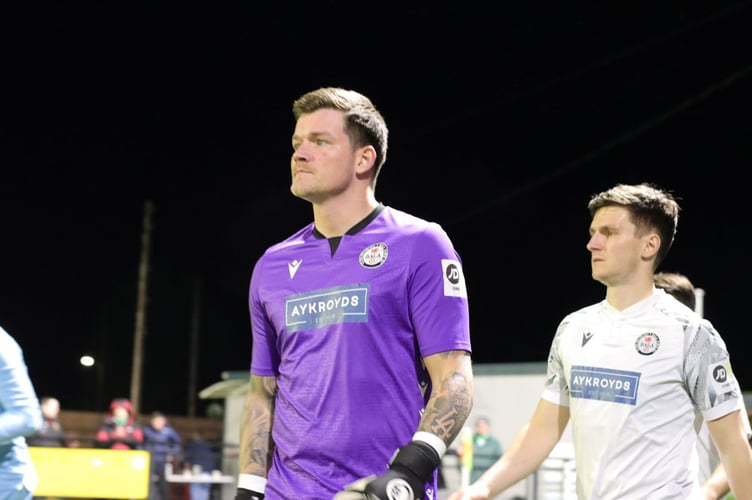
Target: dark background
point(503, 122)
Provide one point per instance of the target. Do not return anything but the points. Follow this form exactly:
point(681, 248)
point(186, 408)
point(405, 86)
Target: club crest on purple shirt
point(374, 255)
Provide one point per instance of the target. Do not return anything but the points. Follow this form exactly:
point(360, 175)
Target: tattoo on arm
point(256, 445)
point(449, 405)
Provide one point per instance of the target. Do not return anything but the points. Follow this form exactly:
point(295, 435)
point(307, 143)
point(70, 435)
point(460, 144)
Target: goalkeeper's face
point(324, 164)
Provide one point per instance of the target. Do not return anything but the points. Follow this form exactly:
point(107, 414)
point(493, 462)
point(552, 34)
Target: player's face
point(614, 246)
point(323, 161)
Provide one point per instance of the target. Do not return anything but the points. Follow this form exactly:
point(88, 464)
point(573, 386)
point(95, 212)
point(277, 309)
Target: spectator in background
point(486, 448)
point(52, 434)
point(120, 431)
point(20, 416)
point(201, 458)
point(164, 444)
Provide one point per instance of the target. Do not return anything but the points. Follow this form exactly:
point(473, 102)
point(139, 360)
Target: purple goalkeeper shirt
point(344, 334)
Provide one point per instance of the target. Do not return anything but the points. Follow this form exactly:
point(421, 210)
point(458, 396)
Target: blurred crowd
point(120, 430)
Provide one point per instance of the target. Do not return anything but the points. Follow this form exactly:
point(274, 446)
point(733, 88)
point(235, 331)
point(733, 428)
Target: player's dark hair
point(363, 122)
point(651, 208)
point(677, 285)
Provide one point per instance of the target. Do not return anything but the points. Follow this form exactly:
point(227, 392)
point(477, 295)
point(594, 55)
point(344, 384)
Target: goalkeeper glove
point(250, 487)
point(244, 494)
point(408, 472)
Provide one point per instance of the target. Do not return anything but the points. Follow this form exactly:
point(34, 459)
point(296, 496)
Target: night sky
point(502, 123)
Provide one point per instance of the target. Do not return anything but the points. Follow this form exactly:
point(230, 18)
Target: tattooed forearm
point(256, 446)
point(451, 400)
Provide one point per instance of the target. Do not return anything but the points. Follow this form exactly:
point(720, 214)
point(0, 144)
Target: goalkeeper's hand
point(389, 486)
point(405, 480)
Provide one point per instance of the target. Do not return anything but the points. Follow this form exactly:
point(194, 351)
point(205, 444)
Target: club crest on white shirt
point(374, 255)
point(647, 343)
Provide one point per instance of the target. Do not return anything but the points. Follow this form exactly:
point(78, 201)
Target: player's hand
point(472, 492)
point(355, 490)
point(244, 494)
point(393, 484)
point(406, 478)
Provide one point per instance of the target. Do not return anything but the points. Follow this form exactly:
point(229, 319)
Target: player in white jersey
point(711, 474)
point(631, 373)
point(360, 371)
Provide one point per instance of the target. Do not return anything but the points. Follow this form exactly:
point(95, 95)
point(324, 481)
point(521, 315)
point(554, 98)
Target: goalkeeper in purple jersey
point(360, 372)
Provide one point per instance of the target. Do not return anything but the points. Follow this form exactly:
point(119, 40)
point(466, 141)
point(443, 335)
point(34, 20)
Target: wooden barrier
point(82, 426)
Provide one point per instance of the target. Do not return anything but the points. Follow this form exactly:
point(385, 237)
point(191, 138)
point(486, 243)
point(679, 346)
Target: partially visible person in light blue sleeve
point(20, 416)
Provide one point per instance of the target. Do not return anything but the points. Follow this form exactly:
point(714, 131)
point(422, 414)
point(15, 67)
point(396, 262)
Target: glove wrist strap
point(435, 441)
point(418, 457)
point(244, 494)
point(252, 482)
point(250, 487)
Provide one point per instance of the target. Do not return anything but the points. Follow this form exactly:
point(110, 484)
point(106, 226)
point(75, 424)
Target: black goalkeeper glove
point(244, 494)
point(408, 472)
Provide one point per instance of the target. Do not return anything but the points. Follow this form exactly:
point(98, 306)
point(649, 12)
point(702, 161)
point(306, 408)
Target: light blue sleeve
point(20, 414)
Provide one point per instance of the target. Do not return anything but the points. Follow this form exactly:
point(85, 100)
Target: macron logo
point(586, 338)
point(293, 267)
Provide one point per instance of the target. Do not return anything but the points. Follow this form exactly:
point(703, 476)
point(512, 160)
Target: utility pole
point(193, 365)
point(138, 337)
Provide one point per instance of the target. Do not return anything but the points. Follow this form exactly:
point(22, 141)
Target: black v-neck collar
point(334, 240)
